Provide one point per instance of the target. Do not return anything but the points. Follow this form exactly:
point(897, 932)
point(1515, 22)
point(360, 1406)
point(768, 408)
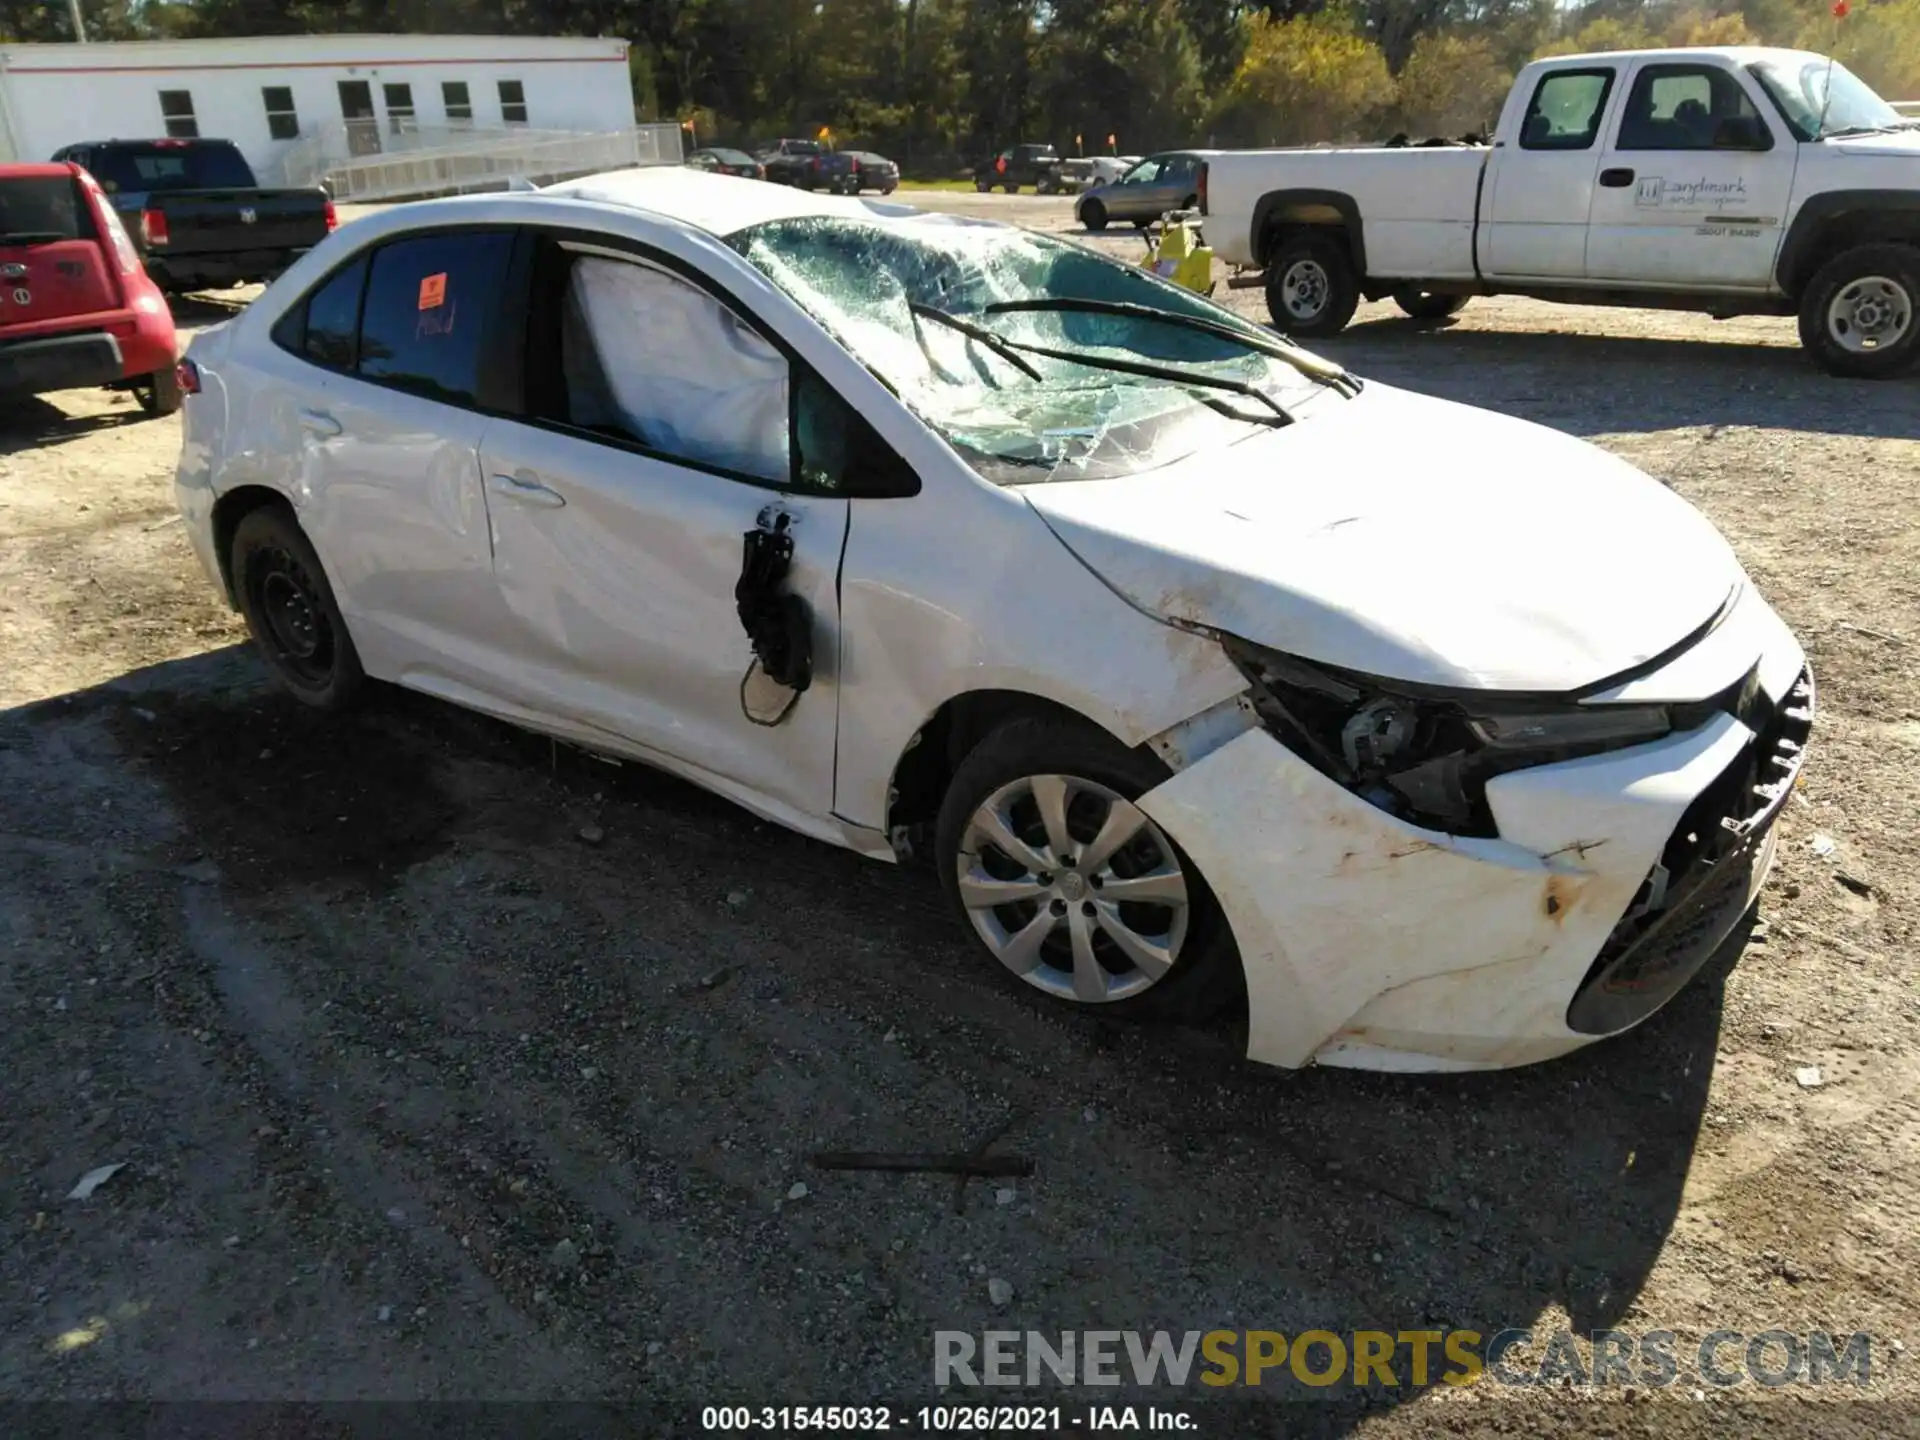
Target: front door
point(1540, 185)
point(1694, 185)
point(659, 433)
point(362, 122)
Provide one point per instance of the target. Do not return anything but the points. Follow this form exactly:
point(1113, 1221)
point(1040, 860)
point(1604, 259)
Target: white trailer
point(303, 106)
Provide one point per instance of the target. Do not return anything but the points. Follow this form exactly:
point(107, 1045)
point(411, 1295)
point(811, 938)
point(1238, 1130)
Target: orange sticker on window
point(433, 291)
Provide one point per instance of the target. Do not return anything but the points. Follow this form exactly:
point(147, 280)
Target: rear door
point(1540, 182)
point(396, 369)
point(53, 260)
point(1694, 183)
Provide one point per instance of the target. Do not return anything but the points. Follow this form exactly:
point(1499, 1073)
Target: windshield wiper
point(1326, 374)
point(1281, 415)
point(999, 345)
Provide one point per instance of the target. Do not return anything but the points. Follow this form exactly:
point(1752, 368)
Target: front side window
point(1145, 173)
point(1689, 107)
point(1821, 98)
point(659, 362)
point(513, 102)
point(283, 121)
point(923, 303)
point(429, 304)
point(1566, 109)
point(176, 110)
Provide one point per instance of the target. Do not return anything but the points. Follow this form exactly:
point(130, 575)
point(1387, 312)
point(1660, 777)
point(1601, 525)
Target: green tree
point(1452, 84)
point(1301, 81)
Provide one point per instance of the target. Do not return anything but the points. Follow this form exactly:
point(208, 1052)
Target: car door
point(658, 431)
point(395, 368)
point(1140, 193)
point(1693, 186)
point(1540, 186)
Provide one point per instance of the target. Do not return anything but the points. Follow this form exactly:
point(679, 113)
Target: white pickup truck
point(1731, 181)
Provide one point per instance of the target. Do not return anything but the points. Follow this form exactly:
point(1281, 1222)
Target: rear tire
point(159, 393)
point(1422, 305)
point(1007, 774)
point(291, 612)
point(1860, 314)
point(1311, 288)
point(1093, 215)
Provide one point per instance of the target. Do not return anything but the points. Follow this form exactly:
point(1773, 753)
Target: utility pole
point(79, 25)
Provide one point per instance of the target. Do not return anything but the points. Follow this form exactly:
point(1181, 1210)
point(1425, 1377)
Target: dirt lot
point(420, 1094)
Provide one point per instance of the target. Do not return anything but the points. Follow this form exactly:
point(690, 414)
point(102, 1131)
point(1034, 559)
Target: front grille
point(1696, 893)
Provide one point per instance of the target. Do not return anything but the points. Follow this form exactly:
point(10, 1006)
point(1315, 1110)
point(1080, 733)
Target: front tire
point(1093, 215)
point(291, 611)
point(1070, 888)
point(1860, 314)
point(1423, 305)
point(1311, 288)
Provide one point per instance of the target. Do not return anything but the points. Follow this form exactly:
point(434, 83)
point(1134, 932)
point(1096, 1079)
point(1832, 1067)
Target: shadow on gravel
point(1617, 384)
point(34, 421)
point(731, 997)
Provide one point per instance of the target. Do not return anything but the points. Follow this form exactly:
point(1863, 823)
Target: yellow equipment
point(1179, 252)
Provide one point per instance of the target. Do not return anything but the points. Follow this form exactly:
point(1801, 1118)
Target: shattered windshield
point(1027, 395)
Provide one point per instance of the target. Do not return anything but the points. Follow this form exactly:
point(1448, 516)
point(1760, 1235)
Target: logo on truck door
point(1655, 192)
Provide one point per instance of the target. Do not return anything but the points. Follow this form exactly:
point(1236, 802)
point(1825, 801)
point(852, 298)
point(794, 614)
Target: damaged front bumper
point(1371, 942)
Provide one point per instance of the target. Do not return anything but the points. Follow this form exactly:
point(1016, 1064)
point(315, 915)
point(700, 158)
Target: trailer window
point(399, 108)
point(1566, 109)
point(176, 108)
point(453, 94)
point(513, 102)
point(283, 121)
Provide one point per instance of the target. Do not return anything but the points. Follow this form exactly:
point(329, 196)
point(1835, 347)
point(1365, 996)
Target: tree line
point(938, 82)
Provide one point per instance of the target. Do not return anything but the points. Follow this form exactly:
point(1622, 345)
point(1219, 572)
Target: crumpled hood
point(1413, 539)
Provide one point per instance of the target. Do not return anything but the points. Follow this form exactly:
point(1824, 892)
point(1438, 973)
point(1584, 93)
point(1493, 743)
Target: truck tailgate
point(203, 222)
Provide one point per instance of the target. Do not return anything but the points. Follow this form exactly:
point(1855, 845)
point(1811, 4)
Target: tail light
point(188, 374)
point(333, 216)
point(1203, 187)
point(153, 227)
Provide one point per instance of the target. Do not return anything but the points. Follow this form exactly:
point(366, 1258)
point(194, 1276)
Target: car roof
point(1734, 54)
point(717, 204)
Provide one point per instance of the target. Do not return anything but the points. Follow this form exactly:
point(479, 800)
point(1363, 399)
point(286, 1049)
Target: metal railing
point(445, 161)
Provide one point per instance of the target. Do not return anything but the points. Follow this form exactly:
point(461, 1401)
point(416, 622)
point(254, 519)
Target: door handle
point(527, 491)
point(318, 422)
point(1617, 179)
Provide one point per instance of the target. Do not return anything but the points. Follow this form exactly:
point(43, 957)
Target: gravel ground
point(445, 1064)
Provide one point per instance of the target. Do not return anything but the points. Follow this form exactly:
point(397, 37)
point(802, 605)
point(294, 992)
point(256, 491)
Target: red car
point(76, 305)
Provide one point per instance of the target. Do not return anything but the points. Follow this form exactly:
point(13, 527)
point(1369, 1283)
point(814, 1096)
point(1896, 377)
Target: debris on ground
point(999, 1292)
point(1809, 1077)
point(94, 1179)
point(1823, 845)
point(564, 1256)
point(798, 1192)
point(592, 835)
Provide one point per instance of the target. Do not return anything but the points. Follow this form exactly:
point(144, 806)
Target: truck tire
point(1311, 287)
point(1423, 305)
point(1860, 314)
point(983, 186)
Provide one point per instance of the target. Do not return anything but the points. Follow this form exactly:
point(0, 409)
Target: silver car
point(1159, 183)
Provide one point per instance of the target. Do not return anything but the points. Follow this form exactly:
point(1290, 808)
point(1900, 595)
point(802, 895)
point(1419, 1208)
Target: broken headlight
point(1427, 757)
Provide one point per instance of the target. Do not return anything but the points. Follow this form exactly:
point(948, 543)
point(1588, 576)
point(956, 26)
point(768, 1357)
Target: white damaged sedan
point(1198, 668)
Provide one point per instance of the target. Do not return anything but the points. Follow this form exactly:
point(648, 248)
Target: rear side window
point(1566, 110)
point(39, 208)
point(325, 326)
point(428, 306)
point(170, 167)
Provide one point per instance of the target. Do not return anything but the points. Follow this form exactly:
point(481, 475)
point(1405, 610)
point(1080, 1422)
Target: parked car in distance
point(1108, 168)
point(76, 308)
point(1174, 736)
point(1068, 177)
point(874, 172)
point(719, 161)
point(787, 161)
point(199, 218)
point(1175, 180)
point(1010, 169)
point(1731, 181)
